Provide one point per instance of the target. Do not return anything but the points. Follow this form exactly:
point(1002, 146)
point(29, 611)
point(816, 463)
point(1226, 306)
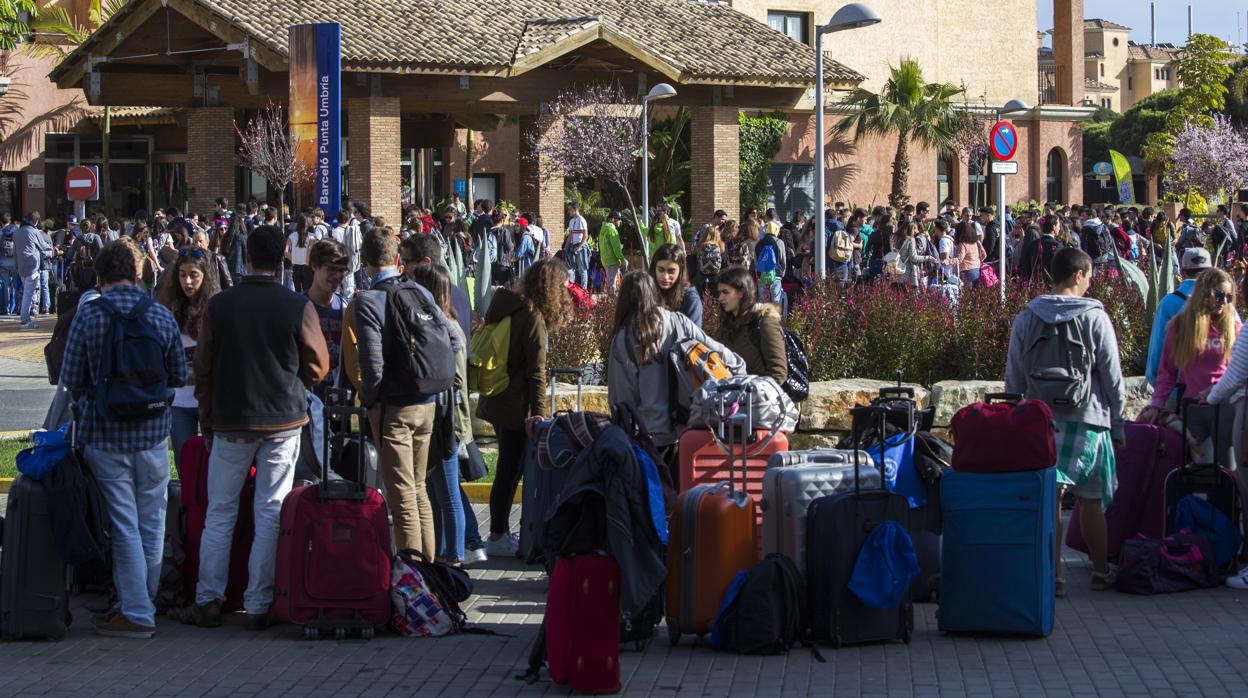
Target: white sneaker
point(1239, 580)
point(475, 556)
point(30, 326)
point(503, 547)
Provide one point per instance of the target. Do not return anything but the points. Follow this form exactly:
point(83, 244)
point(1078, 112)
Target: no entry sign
point(1004, 140)
point(81, 183)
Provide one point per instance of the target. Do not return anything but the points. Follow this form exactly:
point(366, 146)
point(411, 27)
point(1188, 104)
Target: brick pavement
point(1104, 644)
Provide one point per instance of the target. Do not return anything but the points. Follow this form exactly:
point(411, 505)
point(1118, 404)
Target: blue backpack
point(132, 382)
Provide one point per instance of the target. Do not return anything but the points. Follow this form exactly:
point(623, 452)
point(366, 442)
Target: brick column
point(209, 157)
point(716, 148)
point(541, 186)
point(1068, 51)
point(373, 151)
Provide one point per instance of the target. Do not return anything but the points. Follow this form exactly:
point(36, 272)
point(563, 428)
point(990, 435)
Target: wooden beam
point(222, 28)
point(643, 54)
point(557, 49)
point(103, 42)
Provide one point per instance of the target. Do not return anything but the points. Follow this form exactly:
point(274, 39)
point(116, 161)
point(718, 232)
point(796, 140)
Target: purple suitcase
point(1150, 454)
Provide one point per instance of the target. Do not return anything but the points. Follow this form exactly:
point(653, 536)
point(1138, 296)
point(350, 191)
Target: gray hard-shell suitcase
point(796, 478)
point(541, 487)
point(34, 596)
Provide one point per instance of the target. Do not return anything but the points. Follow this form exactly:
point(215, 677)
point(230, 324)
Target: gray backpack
point(1060, 365)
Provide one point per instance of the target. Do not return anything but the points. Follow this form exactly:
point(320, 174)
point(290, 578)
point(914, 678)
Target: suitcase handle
point(1184, 404)
point(881, 413)
point(1002, 397)
point(899, 391)
point(338, 403)
point(580, 384)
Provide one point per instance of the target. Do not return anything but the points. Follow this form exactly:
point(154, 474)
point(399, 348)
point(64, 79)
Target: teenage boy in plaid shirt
point(129, 457)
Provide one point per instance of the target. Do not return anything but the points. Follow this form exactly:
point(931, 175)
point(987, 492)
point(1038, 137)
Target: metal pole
point(80, 210)
point(821, 236)
point(645, 166)
point(1001, 225)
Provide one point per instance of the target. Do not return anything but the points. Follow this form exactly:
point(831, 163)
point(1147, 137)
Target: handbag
point(471, 464)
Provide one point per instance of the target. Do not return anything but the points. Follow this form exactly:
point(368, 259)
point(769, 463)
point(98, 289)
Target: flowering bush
point(876, 330)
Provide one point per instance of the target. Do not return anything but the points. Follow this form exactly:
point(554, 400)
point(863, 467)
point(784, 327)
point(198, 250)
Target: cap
point(1195, 258)
point(73, 220)
point(720, 213)
point(615, 216)
point(522, 221)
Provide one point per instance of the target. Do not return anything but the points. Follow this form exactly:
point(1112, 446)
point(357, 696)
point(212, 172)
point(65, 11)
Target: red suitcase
point(333, 552)
point(193, 473)
point(704, 462)
point(1003, 423)
point(582, 623)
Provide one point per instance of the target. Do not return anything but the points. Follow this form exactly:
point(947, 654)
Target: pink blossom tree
point(597, 134)
point(268, 148)
point(1209, 158)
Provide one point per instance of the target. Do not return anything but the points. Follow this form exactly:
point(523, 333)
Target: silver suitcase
point(794, 479)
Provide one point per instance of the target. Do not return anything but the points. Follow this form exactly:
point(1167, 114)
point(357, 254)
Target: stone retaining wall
point(825, 415)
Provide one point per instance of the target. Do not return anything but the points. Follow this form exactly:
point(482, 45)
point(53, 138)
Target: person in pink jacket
point(1196, 352)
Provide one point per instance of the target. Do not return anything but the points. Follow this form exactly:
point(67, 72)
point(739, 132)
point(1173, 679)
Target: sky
point(1217, 17)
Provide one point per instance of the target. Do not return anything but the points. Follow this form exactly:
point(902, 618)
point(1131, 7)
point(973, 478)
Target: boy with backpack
point(770, 262)
point(1098, 241)
point(1063, 351)
point(406, 349)
point(122, 361)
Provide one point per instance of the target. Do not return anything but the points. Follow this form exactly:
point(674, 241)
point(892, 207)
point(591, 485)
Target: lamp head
point(1014, 105)
point(852, 16)
point(661, 91)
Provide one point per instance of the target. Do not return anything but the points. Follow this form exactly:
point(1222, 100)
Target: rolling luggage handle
point(897, 391)
point(857, 438)
point(338, 404)
point(580, 385)
point(718, 433)
point(1002, 397)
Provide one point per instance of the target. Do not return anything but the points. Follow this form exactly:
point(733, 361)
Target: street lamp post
point(659, 91)
point(851, 16)
point(1012, 106)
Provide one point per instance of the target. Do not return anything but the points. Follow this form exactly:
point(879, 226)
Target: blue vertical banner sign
point(316, 113)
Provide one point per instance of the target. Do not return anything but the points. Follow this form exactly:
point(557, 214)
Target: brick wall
point(374, 147)
point(209, 156)
point(541, 190)
point(716, 152)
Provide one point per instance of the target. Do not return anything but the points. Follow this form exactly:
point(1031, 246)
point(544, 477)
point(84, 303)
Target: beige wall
point(944, 35)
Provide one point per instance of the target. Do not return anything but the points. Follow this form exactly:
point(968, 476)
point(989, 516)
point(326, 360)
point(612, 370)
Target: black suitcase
point(34, 597)
point(836, 527)
point(1210, 481)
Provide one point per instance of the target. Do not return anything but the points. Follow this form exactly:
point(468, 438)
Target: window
point(1165, 73)
point(1102, 70)
point(1156, 73)
point(792, 188)
point(794, 24)
point(1105, 102)
point(944, 177)
point(1115, 41)
point(1055, 167)
point(1130, 83)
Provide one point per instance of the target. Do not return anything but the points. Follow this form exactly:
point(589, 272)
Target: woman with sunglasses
point(1195, 353)
point(185, 292)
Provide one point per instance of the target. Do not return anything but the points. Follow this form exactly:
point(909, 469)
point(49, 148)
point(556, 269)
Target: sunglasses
point(192, 252)
point(1223, 296)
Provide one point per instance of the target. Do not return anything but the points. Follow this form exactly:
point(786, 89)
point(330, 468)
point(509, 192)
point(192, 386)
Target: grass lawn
point(10, 447)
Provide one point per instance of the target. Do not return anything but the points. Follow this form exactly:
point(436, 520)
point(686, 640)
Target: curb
point(25, 434)
point(478, 492)
point(5, 484)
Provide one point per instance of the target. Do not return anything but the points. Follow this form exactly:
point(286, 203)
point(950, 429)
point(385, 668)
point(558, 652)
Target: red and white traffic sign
point(82, 183)
point(1004, 140)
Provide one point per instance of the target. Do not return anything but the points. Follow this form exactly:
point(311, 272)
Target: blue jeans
point(874, 269)
point(472, 531)
point(840, 272)
point(135, 489)
point(970, 278)
point(448, 508)
point(30, 283)
point(10, 286)
point(228, 465)
point(578, 267)
point(45, 298)
point(185, 425)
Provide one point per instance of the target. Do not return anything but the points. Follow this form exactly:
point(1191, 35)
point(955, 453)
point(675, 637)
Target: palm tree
point(915, 110)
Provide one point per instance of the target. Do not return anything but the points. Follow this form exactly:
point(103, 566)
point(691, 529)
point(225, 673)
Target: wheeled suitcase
point(582, 624)
point(194, 477)
point(837, 525)
point(34, 597)
point(997, 557)
point(793, 480)
point(1144, 463)
point(333, 553)
point(541, 486)
point(703, 461)
point(712, 537)
point(1208, 480)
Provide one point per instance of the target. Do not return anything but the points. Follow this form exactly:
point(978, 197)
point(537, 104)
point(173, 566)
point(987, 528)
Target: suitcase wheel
point(366, 633)
point(340, 634)
point(906, 635)
point(836, 642)
point(311, 632)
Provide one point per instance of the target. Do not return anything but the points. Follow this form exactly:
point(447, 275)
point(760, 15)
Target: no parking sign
point(1004, 140)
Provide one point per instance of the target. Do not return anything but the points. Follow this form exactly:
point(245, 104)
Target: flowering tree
point(598, 134)
point(970, 138)
point(267, 148)
point(1209, 159)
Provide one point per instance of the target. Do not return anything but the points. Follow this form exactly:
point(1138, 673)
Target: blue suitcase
point(998, 552)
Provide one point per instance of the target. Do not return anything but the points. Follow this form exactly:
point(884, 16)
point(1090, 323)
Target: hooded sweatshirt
point(1104, 409)
point(525, 394)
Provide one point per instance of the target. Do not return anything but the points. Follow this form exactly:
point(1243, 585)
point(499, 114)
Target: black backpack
point(769, 613)
point(1047, 248)
point(76, 510)
point(1099, 242)
point(797, 383)
point(417, 349)
point(7, 248)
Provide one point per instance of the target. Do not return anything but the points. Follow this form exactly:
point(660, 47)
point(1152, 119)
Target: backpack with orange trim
point(691, 363)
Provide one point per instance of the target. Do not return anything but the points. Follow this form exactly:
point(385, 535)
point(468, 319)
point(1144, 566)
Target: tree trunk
point(105, 179)
point(901, 172)
point(468, 170)
point(668, 159)
point(641, 234)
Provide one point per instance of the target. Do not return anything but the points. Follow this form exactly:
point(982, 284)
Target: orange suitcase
point(703, 461)
point(713, 535)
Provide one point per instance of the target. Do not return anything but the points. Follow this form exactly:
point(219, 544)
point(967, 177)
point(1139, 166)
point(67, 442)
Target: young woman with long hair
point(968, 252)
point(537, 305)
point(1197, 349)
point(912, 254)
point(667, 266)
point(185, 291)
point(751, 329)
point(300, 242)
point(448, 508)
point(645, 332)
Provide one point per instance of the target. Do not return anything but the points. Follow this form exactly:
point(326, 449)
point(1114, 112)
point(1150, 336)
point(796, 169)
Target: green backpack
point(487, 358)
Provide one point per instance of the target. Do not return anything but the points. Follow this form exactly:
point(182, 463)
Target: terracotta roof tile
point(1097, 23)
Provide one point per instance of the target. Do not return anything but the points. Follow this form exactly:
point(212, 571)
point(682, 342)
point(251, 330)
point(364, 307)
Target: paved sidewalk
point(24, 389)
point(1105, 644)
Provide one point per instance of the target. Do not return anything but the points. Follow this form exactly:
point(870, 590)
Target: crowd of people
point(249, 323)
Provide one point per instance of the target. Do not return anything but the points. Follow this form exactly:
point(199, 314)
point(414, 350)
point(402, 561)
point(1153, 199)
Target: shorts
point(1088, 489)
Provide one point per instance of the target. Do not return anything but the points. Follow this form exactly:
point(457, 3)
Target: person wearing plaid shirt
point(1089, 431)
point(128, 457)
